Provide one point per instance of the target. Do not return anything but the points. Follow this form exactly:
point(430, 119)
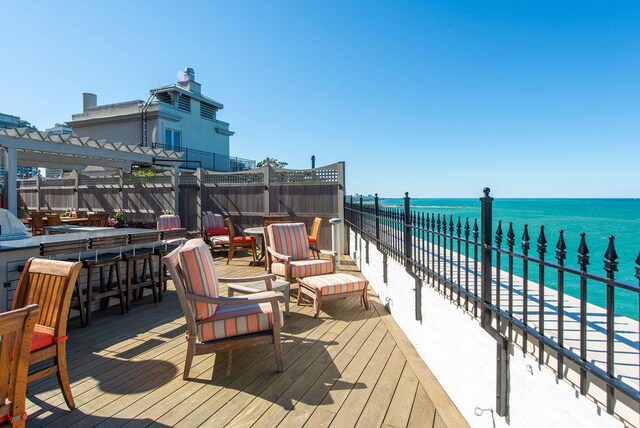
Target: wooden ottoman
point(334, 285)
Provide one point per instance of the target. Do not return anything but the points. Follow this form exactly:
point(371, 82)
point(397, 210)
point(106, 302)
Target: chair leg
point(60, 361)
point(255, 253)
point(189, 359)
point(89, 294)
point(277, 345)
point(232, 250)
point(156, 294)
point(123, 308)
point(83, 314)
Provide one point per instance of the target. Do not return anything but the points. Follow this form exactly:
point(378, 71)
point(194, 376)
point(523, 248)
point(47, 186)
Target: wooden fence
point(244, 196)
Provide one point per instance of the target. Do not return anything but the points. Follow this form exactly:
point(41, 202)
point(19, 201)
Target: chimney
point(188, 81)
point(89, 101)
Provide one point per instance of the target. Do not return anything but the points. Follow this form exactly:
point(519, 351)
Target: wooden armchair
point(16, 333)
point(54, 220)
point(97, 219)
point(288, 247)
point(37, 223)
point(239, 242)
point(49, 284)
point(314, 236)
point(218, 323)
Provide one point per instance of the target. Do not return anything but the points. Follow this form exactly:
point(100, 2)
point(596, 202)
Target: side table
point(258, 286)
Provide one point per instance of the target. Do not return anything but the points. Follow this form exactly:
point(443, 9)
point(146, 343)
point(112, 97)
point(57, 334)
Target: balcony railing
point(507, 290)
point(211, 161)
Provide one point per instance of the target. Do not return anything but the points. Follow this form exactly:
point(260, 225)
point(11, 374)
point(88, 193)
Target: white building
point(176, 117)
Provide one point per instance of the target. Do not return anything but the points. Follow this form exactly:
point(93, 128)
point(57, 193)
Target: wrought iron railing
point(453, 255)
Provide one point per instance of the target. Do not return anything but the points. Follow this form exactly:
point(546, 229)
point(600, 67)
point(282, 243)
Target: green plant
point(273, 162)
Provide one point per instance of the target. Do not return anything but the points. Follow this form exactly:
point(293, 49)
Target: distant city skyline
point(439, 98)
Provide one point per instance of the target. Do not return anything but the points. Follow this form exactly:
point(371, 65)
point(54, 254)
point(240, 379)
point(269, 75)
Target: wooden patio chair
point(54, 220)
point(239, 242)
point(314, 236)
point(265, 238)
point(217, 323)
point(37, 223)
point(16, 333)
point(49, 284)
point(288, 247)
point(97, 220)
point(214, 231)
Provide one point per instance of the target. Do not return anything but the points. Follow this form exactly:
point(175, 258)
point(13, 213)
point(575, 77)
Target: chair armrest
point(278, 256)
point(264, 278)
point(325, 252)
point(261, 297)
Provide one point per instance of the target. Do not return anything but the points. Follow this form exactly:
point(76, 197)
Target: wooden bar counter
point(15, 253)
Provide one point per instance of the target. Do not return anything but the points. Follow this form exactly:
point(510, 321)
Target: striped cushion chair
point(288, 246)
point(214, 230)
point(217, 323)
point(168, 222)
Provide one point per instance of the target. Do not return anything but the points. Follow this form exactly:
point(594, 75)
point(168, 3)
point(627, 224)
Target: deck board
point(349, 367)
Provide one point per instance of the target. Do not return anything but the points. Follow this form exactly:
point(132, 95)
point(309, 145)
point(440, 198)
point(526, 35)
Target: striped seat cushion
point(231, 321)
point(220, 240)
point(200, 275)
point(168, 222)
point(336, 283)
point(289, 239)
point(304, 268)
point(213, 224)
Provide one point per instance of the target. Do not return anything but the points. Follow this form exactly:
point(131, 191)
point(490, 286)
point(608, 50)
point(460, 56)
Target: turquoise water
point(598, 218)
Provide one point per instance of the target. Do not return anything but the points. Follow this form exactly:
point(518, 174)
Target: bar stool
point(135, 254)
point(77, 246)
point(109, 260)
point(170, 240)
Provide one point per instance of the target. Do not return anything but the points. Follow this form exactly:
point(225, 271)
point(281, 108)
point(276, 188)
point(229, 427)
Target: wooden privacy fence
point(246, 196)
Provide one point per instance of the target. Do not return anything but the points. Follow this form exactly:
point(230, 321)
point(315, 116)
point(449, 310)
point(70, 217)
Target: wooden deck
point(349, 367)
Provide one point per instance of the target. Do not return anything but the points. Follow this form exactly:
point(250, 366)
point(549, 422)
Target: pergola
point(44, 149)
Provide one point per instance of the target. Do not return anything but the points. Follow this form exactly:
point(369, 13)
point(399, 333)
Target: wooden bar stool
point(132, 257)
point(66, 249)
point(110, 260)
point(170, 240)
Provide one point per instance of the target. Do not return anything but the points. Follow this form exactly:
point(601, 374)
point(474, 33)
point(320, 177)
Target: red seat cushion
point(215, 231)
point(240, 239)
point(312, 240)
point(42, 337)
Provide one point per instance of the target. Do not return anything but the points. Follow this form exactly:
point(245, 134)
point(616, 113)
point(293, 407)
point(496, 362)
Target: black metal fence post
point(486, 203)
point(610, 267)
point(376, 209)
point(407, 232)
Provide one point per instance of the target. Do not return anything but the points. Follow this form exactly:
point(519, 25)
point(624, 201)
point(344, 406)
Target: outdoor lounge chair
point(49, 284)
point(218, 323)
point(16, 332)
point(168, 222)
point(214, 230)
point(288, 246)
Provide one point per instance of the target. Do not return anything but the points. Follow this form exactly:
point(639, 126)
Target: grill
point(11, 228)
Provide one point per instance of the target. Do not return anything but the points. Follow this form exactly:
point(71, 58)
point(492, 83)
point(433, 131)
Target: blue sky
point(438, 98)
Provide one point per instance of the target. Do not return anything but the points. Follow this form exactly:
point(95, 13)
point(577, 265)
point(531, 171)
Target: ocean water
point(597, 218)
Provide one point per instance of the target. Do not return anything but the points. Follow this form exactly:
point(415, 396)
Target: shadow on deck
point(349, 367)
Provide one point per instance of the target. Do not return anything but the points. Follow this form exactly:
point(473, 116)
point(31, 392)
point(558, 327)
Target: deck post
point(199, 185)
point(377, 215)
point(486, 220)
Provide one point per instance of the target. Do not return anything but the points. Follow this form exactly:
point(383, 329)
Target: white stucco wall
point(462, 356)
